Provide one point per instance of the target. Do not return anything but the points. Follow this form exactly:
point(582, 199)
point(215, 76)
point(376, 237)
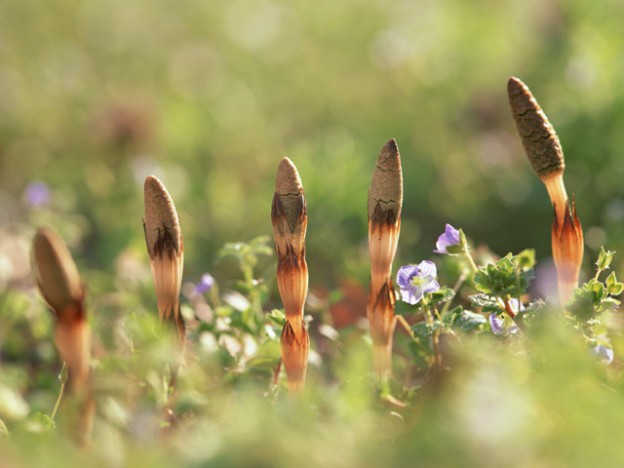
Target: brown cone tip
point(538, 135)
point(55, 271)
point(386, 188)
point(287, 181)
point(289, 192)
point(160, 213)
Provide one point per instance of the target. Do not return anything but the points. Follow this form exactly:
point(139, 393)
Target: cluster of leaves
point(500, 304)
point(248, 339)
point(594, 300)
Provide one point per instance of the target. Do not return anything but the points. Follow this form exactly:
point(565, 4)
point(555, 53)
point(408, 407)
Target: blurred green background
point(209, 95)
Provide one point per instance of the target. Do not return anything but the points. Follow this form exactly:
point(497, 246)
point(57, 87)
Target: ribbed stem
point(385, 199)
point(289, 219)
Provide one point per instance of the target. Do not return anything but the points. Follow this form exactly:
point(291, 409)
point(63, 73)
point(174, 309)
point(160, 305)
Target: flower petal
point(405, 275)
point(205, 284)
point(603, 354)
point(431, 286)
point(496, 324)
point(451, 234)
point(446, 239)
point(411, 295)
point(427, 269)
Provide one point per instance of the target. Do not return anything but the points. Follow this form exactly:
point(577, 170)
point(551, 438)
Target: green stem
point(597, 274)
point(435, 338)
point(61, 391)
point(406, 327)
point(471, 262)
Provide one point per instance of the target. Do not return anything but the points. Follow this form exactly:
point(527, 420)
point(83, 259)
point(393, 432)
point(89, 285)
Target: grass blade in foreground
point(544, 151)
point(385, 200)
point(60, 285)
point(289, 218)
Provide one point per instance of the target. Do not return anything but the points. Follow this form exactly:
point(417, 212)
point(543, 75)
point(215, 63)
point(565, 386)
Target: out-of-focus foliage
point(208, 96)
point(536, 398)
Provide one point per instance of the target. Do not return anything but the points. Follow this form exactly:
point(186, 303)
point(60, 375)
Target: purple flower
point(498, 325)
point(603, 354)
point(205, 284)
point(416, 280)
point(37, 194)
point(449, 238)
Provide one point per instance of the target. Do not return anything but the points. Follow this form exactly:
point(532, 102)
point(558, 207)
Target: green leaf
point(488, 303)
point(449, 317)
point(442, 295)
point(509, 276)
point(261, 245)
point(424, 330)
point(614, 288)
point(267, 356)
point(525, 260)
point(468, 321)
point(40, 423)
point(604, 259)
point(464, 320)
point(583, 303)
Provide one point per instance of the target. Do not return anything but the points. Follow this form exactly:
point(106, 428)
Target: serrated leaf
point(468, 321)
point(424, 330)
point(609, 303)
point(525, 259)
point(441, 296)
point(449, 317)
point(483, 300)
point(487, 303)
point(616, 289)
point(604, 259)
point(509, 276)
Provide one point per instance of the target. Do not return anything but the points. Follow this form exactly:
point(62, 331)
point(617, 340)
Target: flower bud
point(546, 156)
point(289, 219)
point(289, 211)
point(163, 237)
point(540, 142)
point(55, 272)
point(385, 200)
point(60, 285)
